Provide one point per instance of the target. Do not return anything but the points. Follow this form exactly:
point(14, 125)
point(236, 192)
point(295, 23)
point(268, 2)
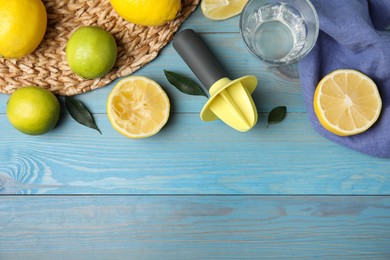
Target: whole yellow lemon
point(147, 12)
point(33, 110)
point(22, 27)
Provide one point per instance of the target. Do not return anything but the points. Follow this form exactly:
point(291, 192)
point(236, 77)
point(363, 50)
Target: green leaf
point(184, 84)
point(80, 113)
point(277, 114)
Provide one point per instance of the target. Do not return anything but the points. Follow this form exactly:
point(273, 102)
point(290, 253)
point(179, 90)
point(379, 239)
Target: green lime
point(33, 110)
point(91, 52)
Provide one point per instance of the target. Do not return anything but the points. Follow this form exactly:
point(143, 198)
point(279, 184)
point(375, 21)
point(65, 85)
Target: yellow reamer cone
point(230, 100)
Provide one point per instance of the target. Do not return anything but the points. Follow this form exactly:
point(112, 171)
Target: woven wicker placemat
point(47, 66)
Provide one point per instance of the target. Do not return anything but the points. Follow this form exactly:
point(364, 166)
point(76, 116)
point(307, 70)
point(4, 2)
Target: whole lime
point(91, 52)
point(33, 110)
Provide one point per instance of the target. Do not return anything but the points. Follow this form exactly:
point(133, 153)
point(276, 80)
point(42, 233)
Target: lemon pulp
point(222, 9)
point(347, 102)
point(138, 107)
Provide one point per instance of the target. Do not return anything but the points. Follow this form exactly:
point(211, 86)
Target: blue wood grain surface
point(190, 156)
point(187, 157)
point(196, 190)
point(194, 227)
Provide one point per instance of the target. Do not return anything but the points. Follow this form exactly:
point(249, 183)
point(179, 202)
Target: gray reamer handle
point(198, 57)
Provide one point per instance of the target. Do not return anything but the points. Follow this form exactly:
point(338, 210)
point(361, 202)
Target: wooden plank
point(187, 157)
point(272, 90)
point(198, 227)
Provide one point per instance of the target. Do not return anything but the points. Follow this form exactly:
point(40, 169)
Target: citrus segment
point(347, 102)
point(138, 107)
point(147, 12)
point(22, 27)
point(222, 9)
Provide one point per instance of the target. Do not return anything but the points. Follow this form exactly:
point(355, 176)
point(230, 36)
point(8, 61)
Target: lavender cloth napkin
point(352, 36)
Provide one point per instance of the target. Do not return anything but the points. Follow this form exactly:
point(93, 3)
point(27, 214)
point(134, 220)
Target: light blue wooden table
point(196, 190)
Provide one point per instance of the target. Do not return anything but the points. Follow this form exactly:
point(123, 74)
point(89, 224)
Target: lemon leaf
point(80, 113)
point(184, 84)
point(277, 115)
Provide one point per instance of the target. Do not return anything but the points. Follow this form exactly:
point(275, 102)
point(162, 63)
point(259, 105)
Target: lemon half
point(138, 107)
point(147, 12)
point(222, 9)
point(347, 102)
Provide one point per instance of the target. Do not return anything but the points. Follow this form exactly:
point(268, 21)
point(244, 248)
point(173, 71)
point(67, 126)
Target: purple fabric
point(352, 36)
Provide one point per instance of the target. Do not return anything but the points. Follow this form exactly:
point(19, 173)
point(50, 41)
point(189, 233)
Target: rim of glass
point(301, 55)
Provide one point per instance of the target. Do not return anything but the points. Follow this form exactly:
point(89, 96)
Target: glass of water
point(279, 32)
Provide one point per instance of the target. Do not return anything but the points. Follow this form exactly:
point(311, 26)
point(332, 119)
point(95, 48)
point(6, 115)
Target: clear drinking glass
point(279, 32)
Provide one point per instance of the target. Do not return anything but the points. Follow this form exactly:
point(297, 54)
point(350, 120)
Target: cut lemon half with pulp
point(347, 102)
point(138, 107)
point(222, 9)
